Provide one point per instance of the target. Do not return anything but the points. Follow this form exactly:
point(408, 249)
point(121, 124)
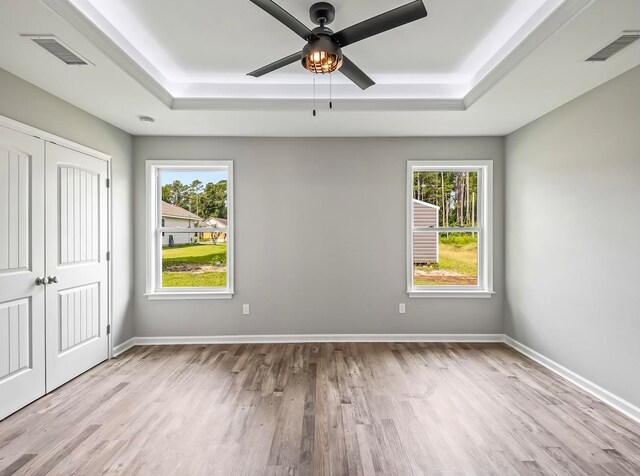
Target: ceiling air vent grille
point(616, 46)
point(58, 49)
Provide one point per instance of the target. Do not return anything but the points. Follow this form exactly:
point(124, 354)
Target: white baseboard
point(303, 338)
point(620, 404)
point(126, 345)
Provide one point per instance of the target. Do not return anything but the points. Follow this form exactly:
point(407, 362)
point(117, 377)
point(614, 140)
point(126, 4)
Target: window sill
point(451, 294)
point(159, 296)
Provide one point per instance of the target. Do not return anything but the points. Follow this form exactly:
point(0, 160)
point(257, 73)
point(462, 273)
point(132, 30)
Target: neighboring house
point(177, 217)
point(425, 245)
point(214, 222)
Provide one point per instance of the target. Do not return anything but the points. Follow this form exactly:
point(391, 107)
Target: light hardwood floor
point(401, 409)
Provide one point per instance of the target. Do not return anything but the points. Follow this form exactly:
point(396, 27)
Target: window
point(189, 229)
point(449, 225)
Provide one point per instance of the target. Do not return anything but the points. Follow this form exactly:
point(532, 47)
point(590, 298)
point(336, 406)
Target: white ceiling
point(490, 67)
point(206, 50)
point(239, 37)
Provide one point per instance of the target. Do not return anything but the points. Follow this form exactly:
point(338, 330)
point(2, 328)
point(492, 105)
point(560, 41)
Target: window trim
point(484, 289)
point(153, 217)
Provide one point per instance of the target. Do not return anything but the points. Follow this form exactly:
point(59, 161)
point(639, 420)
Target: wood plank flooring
point(324, 409)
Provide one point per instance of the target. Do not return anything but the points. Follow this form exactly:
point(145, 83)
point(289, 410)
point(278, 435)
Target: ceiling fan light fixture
point(322, 56)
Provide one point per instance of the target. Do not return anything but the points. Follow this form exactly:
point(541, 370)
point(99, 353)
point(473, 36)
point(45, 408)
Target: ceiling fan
point(323, 51)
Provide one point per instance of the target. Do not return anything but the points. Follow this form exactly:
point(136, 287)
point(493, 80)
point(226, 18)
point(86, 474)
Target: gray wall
point(30, 105)
point(573, 235)
point(320, 239)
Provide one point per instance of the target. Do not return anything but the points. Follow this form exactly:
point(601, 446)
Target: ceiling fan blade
point(355, 74)
point(285, 17)
point(276, 65)
point(381, 23)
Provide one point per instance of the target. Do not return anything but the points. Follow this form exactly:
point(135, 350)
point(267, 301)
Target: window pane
point(445, 259)
point(445, 199)
point(188, 261)
point(194, 197)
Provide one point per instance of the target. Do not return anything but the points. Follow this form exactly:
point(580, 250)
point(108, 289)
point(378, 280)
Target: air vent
point(616, 46)
point(58, 49)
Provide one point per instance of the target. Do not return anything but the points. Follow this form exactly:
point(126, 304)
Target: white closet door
point(22, 326)
point(76, 255)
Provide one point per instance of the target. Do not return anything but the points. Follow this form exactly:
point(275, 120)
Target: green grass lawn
point(198, 265)
point(193, 280)
point(204, 265)
point(458, 263)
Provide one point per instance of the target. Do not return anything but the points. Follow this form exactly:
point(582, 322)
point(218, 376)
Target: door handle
point(41, 281)
point(52, 279)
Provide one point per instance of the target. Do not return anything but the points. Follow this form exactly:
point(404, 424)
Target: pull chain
point(314, 95)
point(330, 93)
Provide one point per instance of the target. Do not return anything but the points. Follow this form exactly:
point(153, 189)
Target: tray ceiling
point(195, 54)
point(533, 74)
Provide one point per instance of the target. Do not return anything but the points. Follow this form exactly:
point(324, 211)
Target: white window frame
point(155, 230)
point(484, 288)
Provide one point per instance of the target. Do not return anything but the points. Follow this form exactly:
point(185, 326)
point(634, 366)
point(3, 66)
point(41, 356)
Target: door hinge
point(108, 255)
point(108, 329)
point(108, 183)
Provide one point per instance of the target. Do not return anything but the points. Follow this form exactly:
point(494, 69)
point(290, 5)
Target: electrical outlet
point(401, 308)
point(245, 309)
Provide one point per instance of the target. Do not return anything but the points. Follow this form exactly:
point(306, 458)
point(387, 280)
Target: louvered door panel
point(79, 312)
point(14, 209)
point(78, 215)
point(15, 337)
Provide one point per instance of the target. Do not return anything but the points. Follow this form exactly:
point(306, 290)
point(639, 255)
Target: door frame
point(61, 141)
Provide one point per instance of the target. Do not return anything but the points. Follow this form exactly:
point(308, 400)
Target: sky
point(186, 177)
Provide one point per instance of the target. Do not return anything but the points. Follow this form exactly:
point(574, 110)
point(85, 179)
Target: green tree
point(456, 193)
point(214, 200)
point(176, 193)
point(194, 193)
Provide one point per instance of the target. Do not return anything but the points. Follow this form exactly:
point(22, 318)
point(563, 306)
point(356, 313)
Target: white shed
point(425, 245)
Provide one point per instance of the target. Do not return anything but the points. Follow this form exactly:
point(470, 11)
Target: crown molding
point(72, 15)
point(507, 58)
point(369, 104)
